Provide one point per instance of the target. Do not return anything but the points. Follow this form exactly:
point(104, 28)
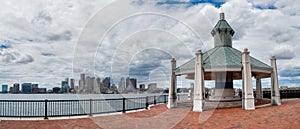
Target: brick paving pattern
point(159, 117)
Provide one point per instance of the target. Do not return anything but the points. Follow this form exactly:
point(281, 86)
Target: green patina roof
point(222, 25)
point(222, 57)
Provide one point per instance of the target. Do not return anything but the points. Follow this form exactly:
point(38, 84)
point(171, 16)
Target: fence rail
point(58, 108)
point(284, 94)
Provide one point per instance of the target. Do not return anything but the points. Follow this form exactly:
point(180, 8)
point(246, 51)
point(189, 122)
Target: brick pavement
point(285, 116)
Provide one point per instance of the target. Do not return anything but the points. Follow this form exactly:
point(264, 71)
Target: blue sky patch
point(47, 54)
point(265, 7)
point(4, 46)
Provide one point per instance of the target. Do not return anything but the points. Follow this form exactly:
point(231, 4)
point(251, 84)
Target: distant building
point(284, 87)
point(106, 82)
point(82, 81)
point(56, 90)
point(72, 83)
point(15, 88)
point(35, 85)
point(26, 88)
point(142, 87)
point(152, 86)
point(42, 90)
point(63, 83)
point(4, 88)
point(35, 90)
point(98, 84)
point(130, 84)
point(122, 85)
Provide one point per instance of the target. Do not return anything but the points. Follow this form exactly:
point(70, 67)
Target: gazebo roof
point(222, 58)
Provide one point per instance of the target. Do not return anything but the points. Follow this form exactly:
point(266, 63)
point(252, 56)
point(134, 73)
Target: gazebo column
point(198, 102)
point(275, 94)
point(248, 98)
point(172, 89)
point(258, 88)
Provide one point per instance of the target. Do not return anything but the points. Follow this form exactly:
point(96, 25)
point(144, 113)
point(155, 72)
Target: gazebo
point(223, 64)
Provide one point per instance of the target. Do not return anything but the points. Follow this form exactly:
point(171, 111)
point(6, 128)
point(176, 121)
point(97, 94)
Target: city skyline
point(38, 40)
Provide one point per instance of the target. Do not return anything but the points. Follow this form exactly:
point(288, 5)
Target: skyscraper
point(122, 85)
point(26, 88)
point(16, 88)
point(4, 88)
point(72, 83)
point(106, 82)
point(82, 81)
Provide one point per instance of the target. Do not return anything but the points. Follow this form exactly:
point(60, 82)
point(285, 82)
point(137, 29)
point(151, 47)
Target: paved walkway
point(159, 117)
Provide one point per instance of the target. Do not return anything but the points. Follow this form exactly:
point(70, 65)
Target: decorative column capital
point(173, 60)
point(246, 51)
point(273, 58)
point(199, 52)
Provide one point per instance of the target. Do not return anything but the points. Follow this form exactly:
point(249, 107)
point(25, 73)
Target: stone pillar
point(248, 99)
point(258, 88)
point(275, 94)
point(172, 89)
point(198, 105)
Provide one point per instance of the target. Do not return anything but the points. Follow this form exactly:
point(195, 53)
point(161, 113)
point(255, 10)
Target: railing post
point(165, 98)
point(46, 109)
point(147, 104)
point(91, 108)
point(154, 101)
point(124, 109)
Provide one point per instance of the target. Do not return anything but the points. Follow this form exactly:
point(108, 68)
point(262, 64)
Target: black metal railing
point(58, 108)
point(284, 94)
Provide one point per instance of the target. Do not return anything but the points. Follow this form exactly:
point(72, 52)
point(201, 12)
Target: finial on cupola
point(222, 16)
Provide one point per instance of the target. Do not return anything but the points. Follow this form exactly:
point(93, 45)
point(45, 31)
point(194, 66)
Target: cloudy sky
point(45, 41)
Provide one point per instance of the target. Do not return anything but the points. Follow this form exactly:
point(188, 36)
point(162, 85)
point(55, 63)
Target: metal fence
point(284, 94)
point(57, 108)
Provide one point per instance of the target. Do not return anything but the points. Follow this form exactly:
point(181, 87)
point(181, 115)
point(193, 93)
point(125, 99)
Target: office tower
point(106, 82)
point(16, 88)
point(142, 87)
point(72, 83)
point(4, 88)
point(26, 88)
point(133, 82)
point(67, 80)
point(152, 87)
point(34, 85)
point(82, 81)
point(63, 83)
point(122, 85)
point(130, 83)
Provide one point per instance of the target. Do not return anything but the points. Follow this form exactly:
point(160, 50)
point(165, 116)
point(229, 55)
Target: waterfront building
point(131, 84)
point(142, 87)
point(35, 85)
point(81, 81)
point(106, 82)
point(98, 84)
point(35, 90)
point(26, 88)
point(72, 83)
point(63, 83)
point(223, 64)
point(56, 90)
point(122, 85)
point(15, 88)
point(42, 90)
point(4, 88)
point(152, 87)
